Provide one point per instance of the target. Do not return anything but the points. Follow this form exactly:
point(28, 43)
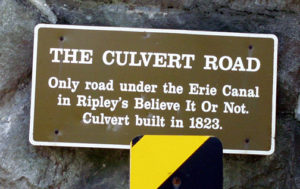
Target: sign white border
point(94, 145)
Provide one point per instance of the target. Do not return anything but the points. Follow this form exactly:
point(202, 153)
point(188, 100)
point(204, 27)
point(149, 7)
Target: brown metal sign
point(102, 86)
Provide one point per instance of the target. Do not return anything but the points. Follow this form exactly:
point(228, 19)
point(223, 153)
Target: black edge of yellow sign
point(179, 162)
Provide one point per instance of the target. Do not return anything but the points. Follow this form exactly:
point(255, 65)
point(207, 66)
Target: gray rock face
point(16, 35)
point(297, 110)
point(25, 166)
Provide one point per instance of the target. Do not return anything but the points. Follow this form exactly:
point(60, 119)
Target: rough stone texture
point(16, 35)
point(44, 8)
point(297, 110)
point(25, 166)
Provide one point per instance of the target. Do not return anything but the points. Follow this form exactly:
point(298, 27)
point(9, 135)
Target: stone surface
point(25, 166)
point(16, 25)
point(297, 109)
point(44, 8)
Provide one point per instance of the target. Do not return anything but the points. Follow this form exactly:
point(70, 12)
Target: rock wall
point(25, 166)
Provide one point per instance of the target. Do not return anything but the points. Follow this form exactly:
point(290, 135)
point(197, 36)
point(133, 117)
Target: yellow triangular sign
point(155, 158)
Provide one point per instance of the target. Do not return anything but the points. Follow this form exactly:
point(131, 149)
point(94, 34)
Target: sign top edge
point(157, 30)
